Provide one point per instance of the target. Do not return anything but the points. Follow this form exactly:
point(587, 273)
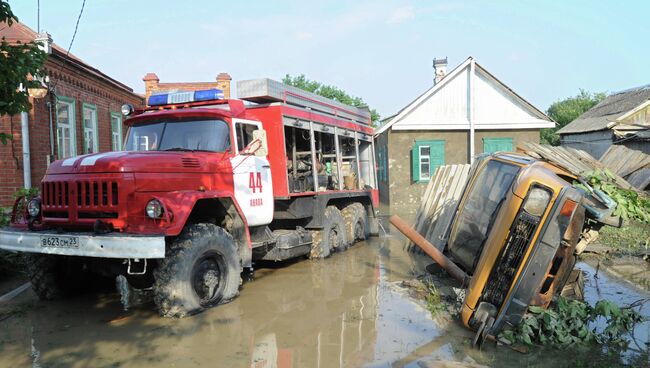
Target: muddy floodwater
point(345, 311)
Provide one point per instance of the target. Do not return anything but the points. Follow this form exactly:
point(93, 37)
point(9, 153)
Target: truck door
point(251, 177)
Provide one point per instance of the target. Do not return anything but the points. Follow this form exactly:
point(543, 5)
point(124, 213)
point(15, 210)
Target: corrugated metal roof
point(608, 110)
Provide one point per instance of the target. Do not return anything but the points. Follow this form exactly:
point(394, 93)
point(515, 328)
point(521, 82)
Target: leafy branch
point(630, 204)
point(568, 323)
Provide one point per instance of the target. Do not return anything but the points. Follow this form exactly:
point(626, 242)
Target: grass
point(633, 236)
point(435, 304)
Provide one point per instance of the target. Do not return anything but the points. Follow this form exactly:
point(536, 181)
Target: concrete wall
point(404, 196)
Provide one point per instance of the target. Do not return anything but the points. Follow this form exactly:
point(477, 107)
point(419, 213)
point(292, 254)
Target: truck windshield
point(184, 135)
point(477, 215)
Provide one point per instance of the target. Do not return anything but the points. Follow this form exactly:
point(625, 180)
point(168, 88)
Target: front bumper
point(83, 244)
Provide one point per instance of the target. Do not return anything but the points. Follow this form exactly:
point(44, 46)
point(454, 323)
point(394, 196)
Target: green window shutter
point(415, 167)
point(497, 144)
point(423, 169)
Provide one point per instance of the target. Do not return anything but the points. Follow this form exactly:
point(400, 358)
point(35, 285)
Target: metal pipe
point(49, 108)
point(356, 153)
point(314, 168)
point(27, 167)
point(339, 161)
point(472, 72)
point(452, 269)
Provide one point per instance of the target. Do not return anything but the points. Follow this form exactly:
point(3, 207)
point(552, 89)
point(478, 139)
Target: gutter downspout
point(472, 72)
point(49, 109)
point(27, 166)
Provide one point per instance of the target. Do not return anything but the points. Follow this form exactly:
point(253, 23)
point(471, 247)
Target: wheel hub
point(206, 280)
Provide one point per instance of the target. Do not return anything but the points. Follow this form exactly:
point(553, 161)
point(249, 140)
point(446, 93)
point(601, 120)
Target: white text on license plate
point(59, 242)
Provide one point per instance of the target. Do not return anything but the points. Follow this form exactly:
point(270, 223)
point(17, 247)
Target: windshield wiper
point(179, 149)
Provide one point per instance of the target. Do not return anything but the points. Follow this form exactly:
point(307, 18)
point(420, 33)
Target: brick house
point(152, 85)
point(80, 114)
point(464, 113)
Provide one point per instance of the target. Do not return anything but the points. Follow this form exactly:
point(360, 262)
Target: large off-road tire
point(200, 270)
point(53, 277)
point(332, 237)
point(356, 223)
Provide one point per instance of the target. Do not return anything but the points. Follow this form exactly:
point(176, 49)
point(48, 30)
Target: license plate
point(59, 242)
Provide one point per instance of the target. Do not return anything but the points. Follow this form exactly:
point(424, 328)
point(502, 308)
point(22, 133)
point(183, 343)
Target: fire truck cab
point(203, 188)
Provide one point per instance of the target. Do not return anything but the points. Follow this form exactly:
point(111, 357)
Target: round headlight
point(34, 207)
point(537, 201)
point(154, 209)
point(127, 109)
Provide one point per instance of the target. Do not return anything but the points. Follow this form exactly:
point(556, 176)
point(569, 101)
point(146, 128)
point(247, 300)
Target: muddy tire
point(332, 237)
point(356, 223)
point(201, 270)
point(54, 277)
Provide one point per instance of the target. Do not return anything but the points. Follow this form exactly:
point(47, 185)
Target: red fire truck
point(204, 187)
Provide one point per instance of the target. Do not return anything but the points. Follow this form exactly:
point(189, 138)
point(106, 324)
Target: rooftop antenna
point(38, 16)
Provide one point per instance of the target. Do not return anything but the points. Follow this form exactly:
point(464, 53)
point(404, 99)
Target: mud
point(349, 310)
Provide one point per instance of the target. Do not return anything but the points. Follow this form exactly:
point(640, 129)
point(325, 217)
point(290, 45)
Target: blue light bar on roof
point(185, 96)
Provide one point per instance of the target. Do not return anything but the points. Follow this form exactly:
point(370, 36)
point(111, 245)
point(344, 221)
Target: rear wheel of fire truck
point(200, 271)
point(356, 223)
point(53, 277)
point(332, 237)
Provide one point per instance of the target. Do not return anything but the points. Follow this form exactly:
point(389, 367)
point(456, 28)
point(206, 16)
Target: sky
point(378, 50)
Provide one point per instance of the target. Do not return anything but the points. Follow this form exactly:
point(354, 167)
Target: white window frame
point(92, 130)
point(422, 158)
point(116, 136)
point(71, 125)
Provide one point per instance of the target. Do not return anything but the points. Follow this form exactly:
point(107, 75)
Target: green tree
point(19, 64)
point(330, 92)
point(567, 110)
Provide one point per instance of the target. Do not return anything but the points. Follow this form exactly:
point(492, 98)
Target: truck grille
point(91, 198)
point(512, 254)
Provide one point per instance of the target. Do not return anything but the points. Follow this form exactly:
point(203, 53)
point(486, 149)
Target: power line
point(74, 34)
point(76, 27)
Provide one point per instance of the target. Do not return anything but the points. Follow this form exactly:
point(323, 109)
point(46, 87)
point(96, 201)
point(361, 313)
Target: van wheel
point(201, 270)
point(332, 237)
point(356, 223)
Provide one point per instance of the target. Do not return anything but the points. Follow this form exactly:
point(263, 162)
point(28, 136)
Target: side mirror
point(259, 145)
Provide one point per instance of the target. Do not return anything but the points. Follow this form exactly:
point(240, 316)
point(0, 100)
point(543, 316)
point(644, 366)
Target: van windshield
point(185, 135)
point(477, 215)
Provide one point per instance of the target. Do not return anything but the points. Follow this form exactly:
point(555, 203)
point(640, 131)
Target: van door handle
point(266, 166)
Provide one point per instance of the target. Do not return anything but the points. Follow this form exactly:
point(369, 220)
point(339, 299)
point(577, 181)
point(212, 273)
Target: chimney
point(439, 69)
point(150, 84)
point(44, 42)
point(223, 83)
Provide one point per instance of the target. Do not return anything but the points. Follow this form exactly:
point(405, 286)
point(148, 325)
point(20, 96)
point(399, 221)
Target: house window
point(116, 132)
point(427, 156)
point(65, 127)
point(91, 144)
point(497, 144)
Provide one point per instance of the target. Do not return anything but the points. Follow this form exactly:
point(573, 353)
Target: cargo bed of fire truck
point(304, 131)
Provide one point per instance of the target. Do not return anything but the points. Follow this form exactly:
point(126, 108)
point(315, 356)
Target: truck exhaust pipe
point(450, 267)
